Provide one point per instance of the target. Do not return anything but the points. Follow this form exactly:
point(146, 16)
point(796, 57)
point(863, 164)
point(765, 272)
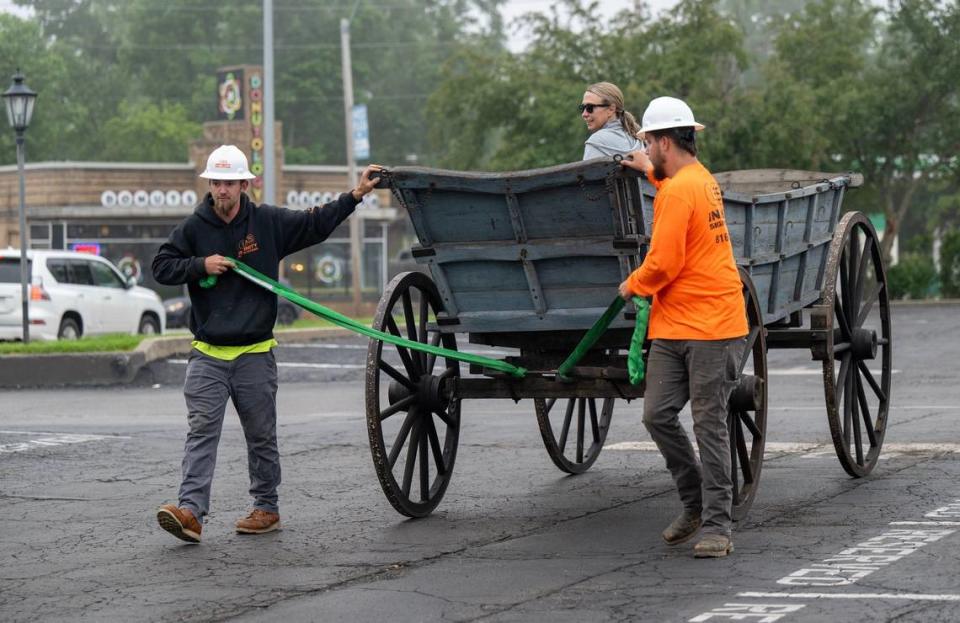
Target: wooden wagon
point(529, 260)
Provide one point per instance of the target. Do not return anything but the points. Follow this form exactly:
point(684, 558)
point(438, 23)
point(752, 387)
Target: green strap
point(348, 323)
point(635, 365)
point(634, 360)
point(588, 340)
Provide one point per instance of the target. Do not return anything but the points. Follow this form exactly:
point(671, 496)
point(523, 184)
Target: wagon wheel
point(582, 430)
point(858, 311)
point(747, 416)
point(413, 428)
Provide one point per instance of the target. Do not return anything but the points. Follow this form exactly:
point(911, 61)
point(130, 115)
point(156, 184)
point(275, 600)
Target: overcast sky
point(608, 8)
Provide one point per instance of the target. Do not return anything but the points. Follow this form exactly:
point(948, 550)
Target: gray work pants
point(705, 372)
point(251, 382)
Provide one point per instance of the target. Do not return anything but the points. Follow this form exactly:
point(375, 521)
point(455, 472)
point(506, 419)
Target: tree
point(159, 132)
point(504, 111)
point(131, 52)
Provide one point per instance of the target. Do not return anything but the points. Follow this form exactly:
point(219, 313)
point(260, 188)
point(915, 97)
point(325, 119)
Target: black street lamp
point(19, 100)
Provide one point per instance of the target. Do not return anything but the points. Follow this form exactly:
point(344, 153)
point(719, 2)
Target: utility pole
point(356, 223)
point(269, 150)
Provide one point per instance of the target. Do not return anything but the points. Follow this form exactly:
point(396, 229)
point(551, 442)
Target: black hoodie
point(236, 312)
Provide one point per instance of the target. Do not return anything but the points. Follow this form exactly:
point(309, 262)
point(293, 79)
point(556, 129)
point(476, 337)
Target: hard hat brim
point(228, 176)
point(666, 125)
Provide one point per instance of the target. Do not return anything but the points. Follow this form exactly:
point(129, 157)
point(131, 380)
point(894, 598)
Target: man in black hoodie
point(232, 324)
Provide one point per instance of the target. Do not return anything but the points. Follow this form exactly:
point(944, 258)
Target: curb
point(116, 368)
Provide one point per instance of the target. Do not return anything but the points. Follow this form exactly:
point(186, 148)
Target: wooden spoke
point(408, 361)
point(742, 451)
point(594, 423)
point(566, 424)
point(411, 461)
point(750, 424)
point(424, 461)
point(422, 331)
point(865, 412)
point(398, 444)
point(431, 358)
point(871, 381)
point(868, 303)
point(435, 446)
point(853, 396)
point(748, 348)
point(409, 317)
point(581, 423)
point(865, 261)
point(395, 375)
point(400, 405)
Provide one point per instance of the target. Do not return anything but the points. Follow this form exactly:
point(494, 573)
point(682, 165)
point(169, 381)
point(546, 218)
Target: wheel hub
point(863, 344)
point(748, 395)
point(429, 393)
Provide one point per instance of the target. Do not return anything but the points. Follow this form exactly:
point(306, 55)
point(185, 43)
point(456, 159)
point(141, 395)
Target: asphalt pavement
point(83, 470)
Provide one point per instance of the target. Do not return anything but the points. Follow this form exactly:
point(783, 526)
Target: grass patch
point(98, 344)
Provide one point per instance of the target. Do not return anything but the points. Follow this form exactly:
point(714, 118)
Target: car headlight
point(175, 307)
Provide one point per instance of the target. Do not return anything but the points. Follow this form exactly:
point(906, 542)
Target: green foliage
point(160, 133)
point(913, 277)
point(109, 57)
point(502, 111)
point(950, 264)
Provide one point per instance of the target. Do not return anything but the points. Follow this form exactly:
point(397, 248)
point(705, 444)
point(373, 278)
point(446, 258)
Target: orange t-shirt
point(689, 268)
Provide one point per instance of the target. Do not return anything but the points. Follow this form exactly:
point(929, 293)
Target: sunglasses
point(589, 107)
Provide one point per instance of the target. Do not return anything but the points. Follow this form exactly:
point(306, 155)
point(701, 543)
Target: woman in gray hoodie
point(613, 130)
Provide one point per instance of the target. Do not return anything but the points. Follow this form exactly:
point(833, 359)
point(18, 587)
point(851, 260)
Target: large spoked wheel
point(858, 310)
point(573, 430)
point(747, 416)
point(413, 428)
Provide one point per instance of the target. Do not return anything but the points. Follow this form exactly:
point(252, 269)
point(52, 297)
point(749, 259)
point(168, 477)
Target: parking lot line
point(904, 596)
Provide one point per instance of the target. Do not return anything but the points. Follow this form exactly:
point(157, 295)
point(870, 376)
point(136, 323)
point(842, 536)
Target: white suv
point(73, 294)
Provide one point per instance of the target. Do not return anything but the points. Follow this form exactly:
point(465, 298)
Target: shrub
point(950, 264)
point(912, 277)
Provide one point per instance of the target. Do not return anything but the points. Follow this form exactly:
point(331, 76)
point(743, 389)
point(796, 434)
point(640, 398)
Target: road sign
point(361, 133)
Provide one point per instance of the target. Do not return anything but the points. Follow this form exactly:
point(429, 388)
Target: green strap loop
point(635, 366)
point(348, 323)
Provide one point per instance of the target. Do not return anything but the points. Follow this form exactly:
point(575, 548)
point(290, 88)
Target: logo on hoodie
point(247, 246)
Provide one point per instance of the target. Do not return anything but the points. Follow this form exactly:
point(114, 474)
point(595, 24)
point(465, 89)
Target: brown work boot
point(258, 522)
point(179, 522)
point(713, 546)
point(682, 529)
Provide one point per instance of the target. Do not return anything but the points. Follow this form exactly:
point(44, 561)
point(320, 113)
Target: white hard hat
point(227, 162)
point(668, 112)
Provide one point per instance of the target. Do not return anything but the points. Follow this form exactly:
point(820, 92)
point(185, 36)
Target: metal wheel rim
point(746, 463)
point(436, 438)
point(851, 418)
point(580, 416)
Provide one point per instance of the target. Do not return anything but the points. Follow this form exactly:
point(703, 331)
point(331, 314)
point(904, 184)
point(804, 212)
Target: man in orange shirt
point(697, 323)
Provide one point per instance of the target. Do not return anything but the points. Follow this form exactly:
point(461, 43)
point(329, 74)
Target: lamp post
point(19, 100)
